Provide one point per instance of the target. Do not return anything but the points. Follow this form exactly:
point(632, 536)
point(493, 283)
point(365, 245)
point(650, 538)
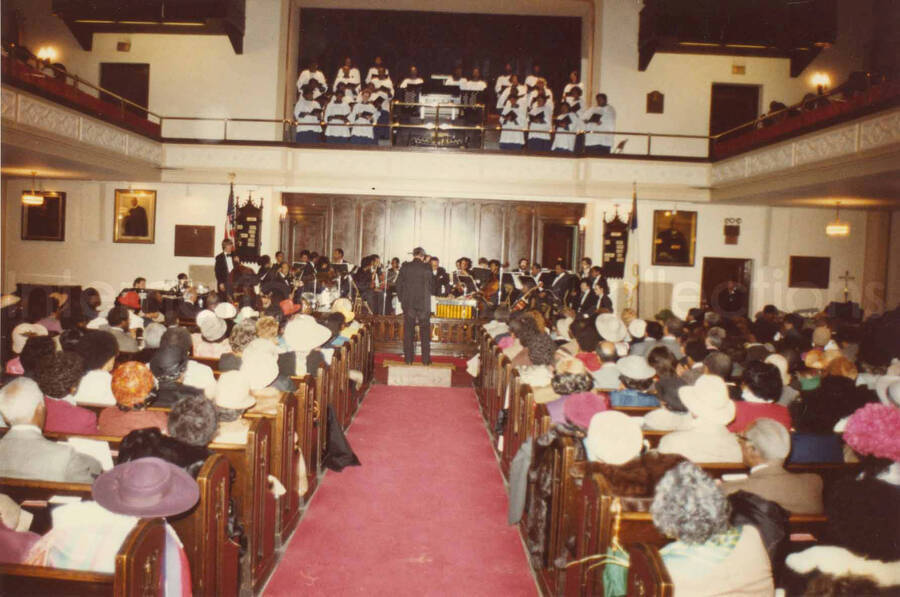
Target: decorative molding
point(43, 115)
point(879, 131)
point(8, 104)
point(843, 140)
point(144, 149)
point(103, 136)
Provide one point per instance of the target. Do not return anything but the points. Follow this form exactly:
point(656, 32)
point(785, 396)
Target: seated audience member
point(261, 369)
point(694, 353)
point(788, 393)
point(24, 452)
point(119, 323)
point(15, 538)
point(168, 366)
point(132, 385)
point(818, 411)
point(587, 338)
point(335, 323)
point(212, 341)
point(637, 329)
point(607, 376)
point(760, 391)
point(673, 329)
point(303, 335)
point(58, 376)
point(52, 321)
point(197, 374)
point(654, 331)
point(708, 556)
point(88, 535)
point(570, 381)
point(708, 439)
point(635, 380)
point(672, 414)
point(192, 425)
point(614, 444)
point(90, 305)
point(232, 399)
point(241, 335)
point(765, 445)
point(153, 333)
point(663, 362)
point(862, 510)
point(36, 348)
point(21, 334)
point(540, 349)
point(98, 350)
point(612, 329)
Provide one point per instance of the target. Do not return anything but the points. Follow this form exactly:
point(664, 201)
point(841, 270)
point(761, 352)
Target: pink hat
point(875, 429)
point(580, 407)
point(146, 487)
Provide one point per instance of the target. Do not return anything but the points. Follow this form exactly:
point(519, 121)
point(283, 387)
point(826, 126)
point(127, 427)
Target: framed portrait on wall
point(43, 216)
point(674, 237)
point(134, 216)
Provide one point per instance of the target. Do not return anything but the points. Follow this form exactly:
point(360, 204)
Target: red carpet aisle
point(425, 514)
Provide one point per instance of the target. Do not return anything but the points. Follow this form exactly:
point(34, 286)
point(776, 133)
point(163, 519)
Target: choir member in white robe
point(337, 113)
point(362, 116)
point(315, 76)
point(513, 84)
point(565, 123)
point(540, 118)
point(540, 88)
point(307, 112)
point(373, 70)
point(502, 82)
point(410, 91)
point(532, 79)
point(573, 83)
point(599, 123)
point(382, 96)
point(348, 78)
point(512, 117)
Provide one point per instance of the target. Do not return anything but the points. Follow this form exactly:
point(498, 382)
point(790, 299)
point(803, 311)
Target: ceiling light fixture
point(32, 198)
point(837, 228)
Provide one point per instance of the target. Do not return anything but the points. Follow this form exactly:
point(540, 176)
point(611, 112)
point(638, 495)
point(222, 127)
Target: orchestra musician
point(440, 281)
point(586, 301)
point(523, 267)
point(364, 278)
point(463, 282)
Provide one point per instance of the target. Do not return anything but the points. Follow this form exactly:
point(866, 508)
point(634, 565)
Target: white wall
point(769, 236)
point(89, 257)
point(686, 79)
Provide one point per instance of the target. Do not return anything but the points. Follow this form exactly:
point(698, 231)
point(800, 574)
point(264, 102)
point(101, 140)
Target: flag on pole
point(632, 256)
point(229, 215)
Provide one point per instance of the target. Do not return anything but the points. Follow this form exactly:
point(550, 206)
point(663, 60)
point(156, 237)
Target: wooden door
point(717, 272)
point(558, 243)
point(129, 80)
point(731, 106)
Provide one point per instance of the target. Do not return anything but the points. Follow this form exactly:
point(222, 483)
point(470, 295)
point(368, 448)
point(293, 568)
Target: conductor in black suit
point(414, 291)
point(224, 265)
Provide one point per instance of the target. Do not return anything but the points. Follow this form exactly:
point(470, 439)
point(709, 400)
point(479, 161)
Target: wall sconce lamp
point(582, 223)
point(33, 197)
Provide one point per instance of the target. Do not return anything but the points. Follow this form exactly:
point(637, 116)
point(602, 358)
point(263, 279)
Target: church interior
point(583, 297)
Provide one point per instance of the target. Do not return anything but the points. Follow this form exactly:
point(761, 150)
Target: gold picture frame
point(674, 237)
point(134, 216)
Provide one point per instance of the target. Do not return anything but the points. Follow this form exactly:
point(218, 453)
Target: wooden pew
point(647, 574)
point(211, 554)
point(138, 570)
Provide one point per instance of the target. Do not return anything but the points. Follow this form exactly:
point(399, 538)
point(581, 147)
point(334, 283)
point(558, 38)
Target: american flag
point(631, 279)
point(229, 215)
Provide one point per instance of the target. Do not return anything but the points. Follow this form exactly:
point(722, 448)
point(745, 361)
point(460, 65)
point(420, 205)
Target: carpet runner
point(425, 514)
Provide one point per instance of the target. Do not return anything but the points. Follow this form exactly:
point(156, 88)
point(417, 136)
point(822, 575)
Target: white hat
point(781, 363)
point(303, 333)
point(888, 389)
point(13, 516)
point(613, 437)
point(635, 367)
point(233, 391)
point(637, 328)
point(259, 363)
point(344, 307)
point(246, 312)
point(212, 327)
point(22, 332)
point(610, 327)
point(708, 399)
point(562, 326)
point(225, 310)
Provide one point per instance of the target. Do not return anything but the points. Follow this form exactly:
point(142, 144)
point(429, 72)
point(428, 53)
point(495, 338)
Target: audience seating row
point(274, 447)
point(576, 515)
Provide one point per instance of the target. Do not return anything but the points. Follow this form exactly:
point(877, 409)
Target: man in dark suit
point(440, 282)
point(586, 301)
point(561, 281)
point(414, 291)
point(224, 265)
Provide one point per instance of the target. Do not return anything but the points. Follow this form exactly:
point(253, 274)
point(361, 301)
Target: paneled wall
point(448, 228)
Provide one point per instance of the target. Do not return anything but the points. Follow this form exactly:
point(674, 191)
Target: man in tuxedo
point(440, 281)
point(414, 290)
point(586, 302)
point(224, 265)
point(560, 281)
point(731, 301)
